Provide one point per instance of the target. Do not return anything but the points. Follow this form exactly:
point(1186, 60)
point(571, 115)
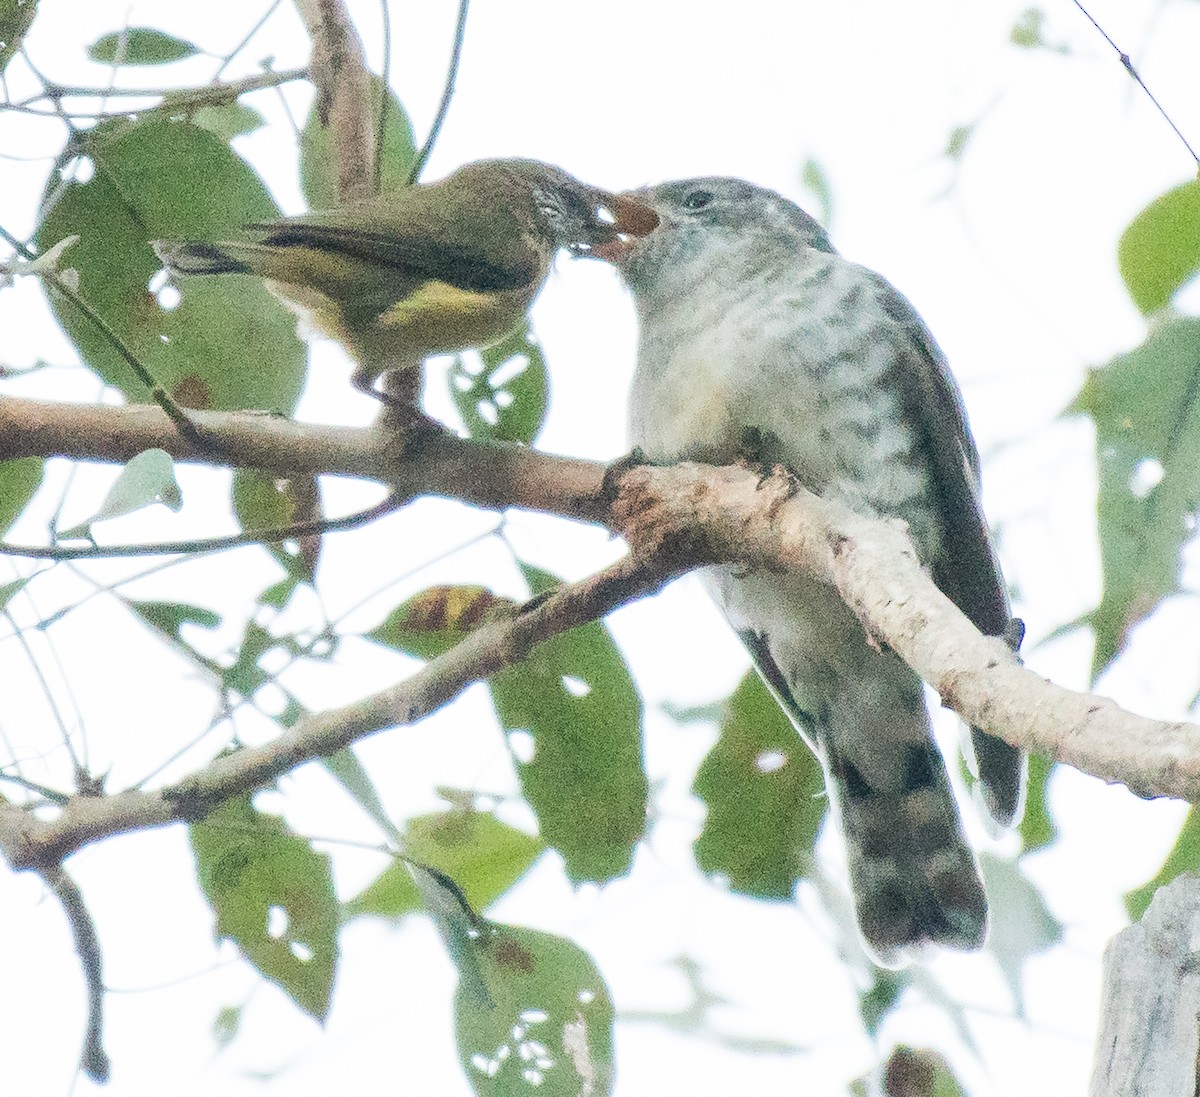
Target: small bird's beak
point(633, 218)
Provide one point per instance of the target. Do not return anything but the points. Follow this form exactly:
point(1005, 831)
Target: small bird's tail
point(914, 878)
point(195, 257)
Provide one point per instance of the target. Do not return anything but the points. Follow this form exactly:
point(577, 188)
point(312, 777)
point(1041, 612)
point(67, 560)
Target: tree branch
point(673, 519)
point(93, 1060)
point(35, 843)
point(343, 85)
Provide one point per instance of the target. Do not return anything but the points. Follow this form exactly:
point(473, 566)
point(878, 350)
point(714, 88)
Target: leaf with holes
point(546, 1030)
point(1146, 409)
point(273, 897)
point(764, 792)
point(225, 343)
point(502, 392)
point(483, 856)
point(574, 721)
point(1160, 250)
point(573, 718)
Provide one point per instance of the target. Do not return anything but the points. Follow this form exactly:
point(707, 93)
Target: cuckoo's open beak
point(632, 219)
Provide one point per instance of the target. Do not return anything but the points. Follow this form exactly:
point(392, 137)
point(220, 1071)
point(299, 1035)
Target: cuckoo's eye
point(698, 199)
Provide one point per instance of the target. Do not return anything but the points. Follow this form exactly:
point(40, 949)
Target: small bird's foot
point(610, 486)
point(401, 416)
point(409, 428)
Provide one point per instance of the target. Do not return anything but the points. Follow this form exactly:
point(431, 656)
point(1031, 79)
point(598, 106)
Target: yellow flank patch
point(439, 316)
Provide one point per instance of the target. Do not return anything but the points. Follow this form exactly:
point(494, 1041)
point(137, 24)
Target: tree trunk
point(1150, 1006)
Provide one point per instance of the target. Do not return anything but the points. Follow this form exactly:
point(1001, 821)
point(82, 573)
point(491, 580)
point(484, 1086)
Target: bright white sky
point(1010, 257)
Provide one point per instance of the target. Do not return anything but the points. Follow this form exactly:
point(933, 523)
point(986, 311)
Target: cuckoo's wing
point(967, 571)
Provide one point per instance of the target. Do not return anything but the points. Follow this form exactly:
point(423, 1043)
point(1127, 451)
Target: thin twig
point(460, 33)
point(206, 544)
point(246, 38)
point(385, 95)
point(93, 1060)
point(1127, 64)
point(210, 95)
point(18, 634)
point(157, 393)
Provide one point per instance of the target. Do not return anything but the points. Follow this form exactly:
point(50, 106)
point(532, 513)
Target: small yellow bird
point(425, 269)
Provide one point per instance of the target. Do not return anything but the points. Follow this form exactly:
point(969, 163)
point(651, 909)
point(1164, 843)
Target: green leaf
point(9, 590)
point(1146, 409)
point(437, 619)
point(919, 1072)
point(16, 17)
point(228, 120)
point(958, 140)
point(245, 676)
point(1160, 250)
point(501, 392)
point(345, 767)
point(262, 501)
point(764, 792)
point(226, 1024)
point(1184, 857)
point(140, 46)
point(277, 595)
point(273, 897)
point(816, 182)
point(547, 1031)
point(147, 478)
point(1029, 33)
point(877, 1000)
point(1037, 828)
point(573, 705)
point(483, 856)
point(458, 926)
point(19, 481)
point(227, 344)
point(1021, 923)
point(170, 617)
point(318, 164)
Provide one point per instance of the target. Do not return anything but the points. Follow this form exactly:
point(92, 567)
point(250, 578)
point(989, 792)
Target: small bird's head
point(704, 221)
point(558, 209)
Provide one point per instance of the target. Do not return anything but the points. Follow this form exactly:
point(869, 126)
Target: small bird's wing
point(967, 571)
point(443, 256)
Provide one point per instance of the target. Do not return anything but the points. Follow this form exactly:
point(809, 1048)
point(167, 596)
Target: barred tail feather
point(914, 879)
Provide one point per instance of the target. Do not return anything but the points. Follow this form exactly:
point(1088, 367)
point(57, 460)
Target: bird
point(424, 269)
point(753, 330)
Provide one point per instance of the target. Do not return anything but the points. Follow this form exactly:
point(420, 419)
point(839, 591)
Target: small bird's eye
point(698, 199)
